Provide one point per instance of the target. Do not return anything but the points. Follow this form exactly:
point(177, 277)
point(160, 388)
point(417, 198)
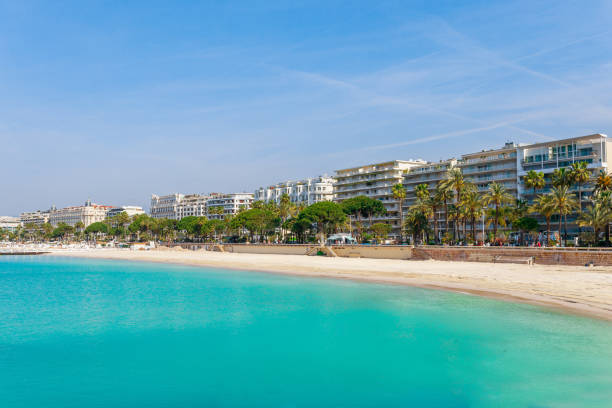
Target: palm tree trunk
point(445, 217)
point(565, 228)
point(474, 228)
point(495, 222)
point(435, 222)
point(547, 230)
point(560, 220)
point(401, 217)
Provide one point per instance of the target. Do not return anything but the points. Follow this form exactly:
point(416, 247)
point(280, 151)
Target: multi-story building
point(166, 206)
point(192, 205)
point(375, 181)
point(307, 192)
point(35, 217)
point(487, 166)
point(9, 223)
point(230, 204)
point(87, 214)
point(130, 210)
point(546, 157)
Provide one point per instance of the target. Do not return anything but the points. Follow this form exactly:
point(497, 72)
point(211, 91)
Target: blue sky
point(116, 100)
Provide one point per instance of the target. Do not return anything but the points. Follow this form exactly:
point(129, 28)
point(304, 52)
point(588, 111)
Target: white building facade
point(130, 210)
point(35, 217)
point(87, 214)
point(306, 192)
point(166, 206)
point(192, 205)
point(230, 204)
point(375, 181)
point(10, 224)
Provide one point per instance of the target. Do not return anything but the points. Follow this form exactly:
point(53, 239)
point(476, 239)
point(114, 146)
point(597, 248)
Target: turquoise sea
point(91, 333)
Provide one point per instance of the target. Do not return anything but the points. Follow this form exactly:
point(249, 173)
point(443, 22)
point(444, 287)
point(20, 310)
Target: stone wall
point(545, 256)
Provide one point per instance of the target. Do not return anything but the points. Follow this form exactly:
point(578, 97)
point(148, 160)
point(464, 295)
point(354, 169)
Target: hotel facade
point(87, 214)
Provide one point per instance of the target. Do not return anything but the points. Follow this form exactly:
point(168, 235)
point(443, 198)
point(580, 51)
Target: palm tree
point(545, 206)
point(535, 179)
point(456, 182)
point(597, 217)
point(604, 199)
point(603, 182)
point(399, 194)
point(416, 223)
point(79, 227)
point(564, 203)
point(472, 204)
point(499, 216)
point(422, 190)
point(580, 174)
point(562, 177)
point(445, 195)
point(434, 201)
point(496, 196)
point(286, 209)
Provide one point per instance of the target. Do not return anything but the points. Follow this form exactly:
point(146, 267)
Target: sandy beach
point(579, 290)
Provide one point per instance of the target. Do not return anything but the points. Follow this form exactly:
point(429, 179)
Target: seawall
point(543, 256)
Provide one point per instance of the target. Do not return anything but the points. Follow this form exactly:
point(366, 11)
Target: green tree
point(603, 182)
point(580, 174)
point(97, 229)
point(535, 179)
point(435, 201)
point(416, 224)
point(473, 205)
point(496, 196)
point(62, 230)
point(399, 194)
point(564, 203)
point(190, 225)
point(362, 207)
point(545, 206)
point(380, 230)
point(446, 194)
point(326, 216)
point(562, 177)
point(525, 225)
point(455, 181)
point(596, 217)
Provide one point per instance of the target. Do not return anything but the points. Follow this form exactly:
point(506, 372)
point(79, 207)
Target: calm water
point(85, 333)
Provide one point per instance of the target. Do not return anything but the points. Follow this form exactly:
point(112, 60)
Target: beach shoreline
point(570, 289)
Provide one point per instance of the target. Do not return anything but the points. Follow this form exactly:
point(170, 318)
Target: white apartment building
point(192, 205)
point(375, 181)
point(35, 217)
point(307, 192)
point(546, 157)
point(487, 166)
point(230, 203)
point(166, 206)
point(10, 224)
point(130, 210)
point(430, 174)
point(87, 214)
